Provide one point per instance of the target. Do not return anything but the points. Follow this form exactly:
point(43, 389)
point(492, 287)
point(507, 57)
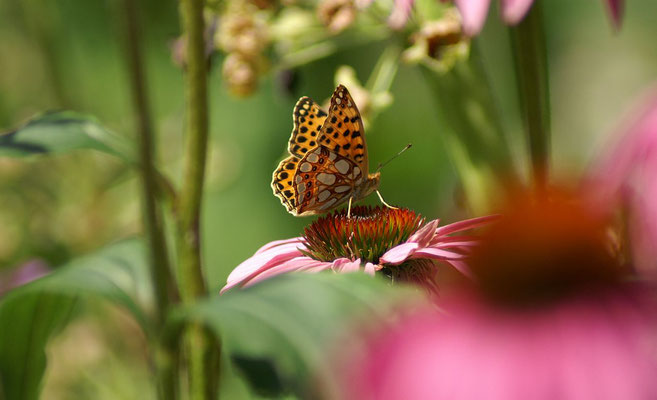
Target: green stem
point(161, 274)
point(192, 283)
point(476, 142)
point(199, 348)
point(528, 41)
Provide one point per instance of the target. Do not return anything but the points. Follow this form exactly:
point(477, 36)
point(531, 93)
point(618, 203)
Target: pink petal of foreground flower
point(596, 348)
point(628, 174)
point(554, 315)
point(333, 241)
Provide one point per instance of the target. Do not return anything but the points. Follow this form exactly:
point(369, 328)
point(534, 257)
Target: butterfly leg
point(384, 202)
point(349, 208)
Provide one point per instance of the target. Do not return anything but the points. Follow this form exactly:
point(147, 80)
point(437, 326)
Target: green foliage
point(59, 132)
point(32, 314)
point(277, 332)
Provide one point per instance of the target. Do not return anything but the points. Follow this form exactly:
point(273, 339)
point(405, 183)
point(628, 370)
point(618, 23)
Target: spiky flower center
point(367, 234)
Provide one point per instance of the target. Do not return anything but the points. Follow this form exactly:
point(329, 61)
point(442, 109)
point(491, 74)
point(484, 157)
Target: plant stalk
point(199, 349)
point(530, 56)
point(161, 274)
point(192, 283)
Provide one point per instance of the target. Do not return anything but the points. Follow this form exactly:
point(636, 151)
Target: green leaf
point(63, 131)
point(277, 331)
point(30, 315)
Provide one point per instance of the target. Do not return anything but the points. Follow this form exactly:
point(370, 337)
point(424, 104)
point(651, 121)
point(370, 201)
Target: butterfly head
point(369, 186)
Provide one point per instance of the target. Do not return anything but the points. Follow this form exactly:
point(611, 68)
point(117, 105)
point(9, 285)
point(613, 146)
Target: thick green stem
point(199, 349)
point(161, 274)
point(192, 283)
point(528, 40)
point(476, 142)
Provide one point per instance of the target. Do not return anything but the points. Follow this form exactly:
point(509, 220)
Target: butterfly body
point(328, 165)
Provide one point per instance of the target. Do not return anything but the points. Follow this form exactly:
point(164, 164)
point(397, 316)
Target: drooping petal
point(457, 245)
point(473, 13)
point(399, 254)
point(465, 225)
point(513, 11)
point(460, 266)
point(303, 263)
point(437, 254)
point(615, 8)
point(262, 261)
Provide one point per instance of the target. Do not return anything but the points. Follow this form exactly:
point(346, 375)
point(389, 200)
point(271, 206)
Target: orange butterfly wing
point(342, 131)
point(324, 180)
point(282, 183)
point(308, 119)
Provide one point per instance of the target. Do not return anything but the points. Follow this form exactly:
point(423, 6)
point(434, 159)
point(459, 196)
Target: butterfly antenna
point(408, 146)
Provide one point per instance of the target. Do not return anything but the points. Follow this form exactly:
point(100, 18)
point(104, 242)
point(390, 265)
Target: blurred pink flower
point(553, 316)
point(22, 274)
point(474, 12)
point(373, 239)
point(598, 347)
point(628, 174)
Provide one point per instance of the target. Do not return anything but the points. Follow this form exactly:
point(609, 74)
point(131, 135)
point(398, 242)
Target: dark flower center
point(367, 234)
point(545, 249)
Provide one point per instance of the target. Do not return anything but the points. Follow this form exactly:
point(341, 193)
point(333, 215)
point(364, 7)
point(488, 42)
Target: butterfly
point(328, 165)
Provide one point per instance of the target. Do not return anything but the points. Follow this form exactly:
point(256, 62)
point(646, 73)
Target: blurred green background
point(68, 54)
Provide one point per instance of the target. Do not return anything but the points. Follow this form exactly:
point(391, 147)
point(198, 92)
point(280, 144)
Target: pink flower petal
point(398, 254)
point(513, 11)
point(597, 349)
point(465, 244)
point(466, 224)
point(437, 254)
point(626, 175)
point(261, 262)
point(278, 243)
point(473, 13)
point(370, 268)
point(400, 13)
point(304, 263)
point(615, 8)
point(344, 265)
point(424, 235)
point(460, 266)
